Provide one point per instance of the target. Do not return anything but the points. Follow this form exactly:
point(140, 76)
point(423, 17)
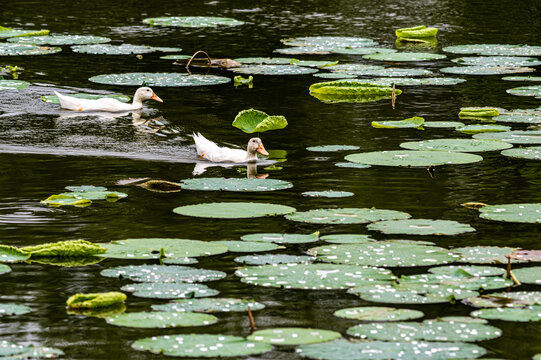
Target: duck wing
point(210, 151)
point(103, 104)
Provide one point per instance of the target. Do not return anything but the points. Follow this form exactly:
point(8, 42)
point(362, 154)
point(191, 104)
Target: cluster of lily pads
point(83, 196)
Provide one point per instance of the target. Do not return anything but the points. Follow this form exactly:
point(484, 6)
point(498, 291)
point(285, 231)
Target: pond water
point(43, 149)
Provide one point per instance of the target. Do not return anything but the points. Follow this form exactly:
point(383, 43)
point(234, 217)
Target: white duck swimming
point(107, 104)
point(212, 152)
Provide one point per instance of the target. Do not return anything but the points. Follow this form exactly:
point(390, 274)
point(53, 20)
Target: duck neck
point(251, 155)
point(137, 102)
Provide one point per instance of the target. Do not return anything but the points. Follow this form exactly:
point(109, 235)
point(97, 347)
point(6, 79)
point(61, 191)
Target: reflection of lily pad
point(247, 246)
point(405, 56)
point(485, 70)
point(152, 248)
point(523, 213)
point(159, 79)
point(421, 227)
point(514, 137)
point(54, 99)
point(192, 21)
point(414, 122)
point(12, 254)
point(347, 238)
point(412, 158)
point(293, 336)
point(331, 148)
point(233, 210)
point(163, 274)
point(13, 84)
point(522, 314)
point(416, 32)
point(282, 238)
point(273, 259)
point(495, 49)
point(210, 305)
point(56, 40)
point(252, 120)
point(459, 145)
point(530, 153)
point(169, 291)
point(26, 49)
point(514, 61)
point(161, 319)
point(13, 309)
point(481, 128)
point(346, 216)
point(485, 254)
point(534, 90)
point(235, 184)
point(378, 313)
point(274, 70)
point(327, 194)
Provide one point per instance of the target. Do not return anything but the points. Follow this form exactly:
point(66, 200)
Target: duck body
point(107, 104)
point(212, 152)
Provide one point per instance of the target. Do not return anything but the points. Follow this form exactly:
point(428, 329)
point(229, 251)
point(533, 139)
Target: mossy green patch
point(96, 300)
point(74, 248)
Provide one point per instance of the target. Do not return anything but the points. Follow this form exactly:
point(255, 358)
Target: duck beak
point(156, 98)
point(261, 150)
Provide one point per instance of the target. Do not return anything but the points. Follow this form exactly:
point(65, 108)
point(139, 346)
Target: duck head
point(146, 93)
point(256, 145)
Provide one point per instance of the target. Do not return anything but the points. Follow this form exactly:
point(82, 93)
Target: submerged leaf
point(252, 120)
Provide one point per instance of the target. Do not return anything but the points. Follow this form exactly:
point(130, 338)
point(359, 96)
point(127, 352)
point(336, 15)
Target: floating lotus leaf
point(273, 259)
point(405, 56)
point(530, 153)
point(159, 79)
point(514, 137)
point(485, 70)
point(235, 184)
point(247, 246)
point(528, 275)
point(458, 145)
point(233, 210)
point(13, 84)
point(485, 111)
point(411, 242)
point(192, 21)
point(523, 213)
point(282, 238)
point(305, 50)
point(522, 314)
point(200, 345)
point(416, 32)
point(383, 350)
point(161, 319)
point(13, 309)
point(346, 216)
point(6, 32)
point(85, 188)
point(96, 195)
point(336, 75)
point(97, 300)
point(442, 124)
point(331, 148)
point(351, 88)
point(414, 122)
point(274, 70)
point(411, 158)
point(151, 248)
point(378, 313)
point(10, 254)
point(312, 63)
point(252, 120)
point(519, 118)
point(347, 238)
point(179, 261)
point(491, 61)
point(526, 255)
point(330, 41)
point(57, 40)
point(313, 276)
point(169, 291)
point(7, 49)
point(477, 129)
point(74, 248)
point(459, 279)
point(387, 72)
point(428, 330)
point(534, 90)
point(264, 60)
point(421, 227)
point(495, 49)
point(293, 336)
point(328, 194)
point(54, 100)
point(381, 253)
point(363, 51)
point(210, 305)
point(346, 68)
point(352, 165)
point(405, 81)
point(467, 270)
point(505, 299)
point(11, 351)
point(485, 254)
point(163, 274)
point(522, 78)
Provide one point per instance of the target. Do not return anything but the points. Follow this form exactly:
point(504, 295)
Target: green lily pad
point(161, 319)
point(247, 246)
point(282, 238)
point(347, 238)
point(61, 200)
point(6, 32)
point(416, 32)
point(523, 213)
point(330, 41)
point(9, 349)
point(252, 120)
point(442, 124)
point(313, 276)
point(175, 57)
point(235, 184)
point(459, 279)
point(378, 313)
point(346, 216)
point(233, 210)
point(13, 85)
point(534, 118)
point(273, 259)
point(467, 270)
point(522, 314)
point(163, 274)
point(346, 68)
point(405, 56)
point(412, 158)
point(428, 330)
point(387, 72)
point(335, 75)
point(514, 61)
point(179, 261)
point(7, 49)
point(351, 88)
point(530, 153)
point(96, 195)
point(352, 165)
point(96, 300)
point(382, 253)
point(274, 70)
point(477, 129)
point(10, 254)
point(53, 99)
point(85, 188)
point(264, 60)
point(305, 50)
point(534, 90)
point(56, 40)
point(495, 49)
point(421, 227)
point(521, 78)
point(485, 254)
point(505, 299)
point(170, 290)
point(327, 194)
point(485, 70)
point(72, 248)
point(514, 137)
point(458, 145)
point(25, 352)
point(383, 350)
point(312, 63)
point(13, 309)
point(484, 111)
point(362, 51)
point(529, 275)
point(192, 21)
point(405, 81)
point(414, 122)
point(293, 336)
point(200, 345)
point(210, 305)
point(332, 148)
point(159, 79)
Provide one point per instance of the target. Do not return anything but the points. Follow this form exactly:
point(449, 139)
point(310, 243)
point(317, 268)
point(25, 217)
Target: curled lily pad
point(330, 41)
point(61, 200)
point(485, 111)
point(416, 32)
point(13, 309)
point(273, 259)
point(350, 88)
point(485, 70)
point(97, 300)
point(514, 61)
point(293, 336)
point(274, 70)
point(412, 158)
point(485, 254)
point(421, 227)
point(534, 90)
point(529, 275)
point(6, 32)
point(505, 299)
point(405, 56)
point(247, 246)
point(522, 78)
point(201, 345)
point(459, 145)
point(495, 49)
point(7, 49)
point(346, 216)
point(210, 305)
point(72, 248)
point(406, 81)
point(159, 79)
point(523, 213)
point(414, 122)
point(347, 238)
point(442, 124)
point(282, 238)
point(163, 274)
point(161, 319)
point(328, 194)
point(331, 148)
point(12, 254)
point(522, 314)
point(530, 153)
point(233, 210)
point(57, 40)
point(178, 290)
point(252, 120)
point(13, 85)
point(481, 128)
point(378, 313)
point(235, 184)
point(534, 118)
point(54, 100)
point(192, 21)
point(352, 165)
point(513, 137)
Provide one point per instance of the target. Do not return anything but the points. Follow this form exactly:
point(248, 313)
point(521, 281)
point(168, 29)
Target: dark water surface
point(42, 150)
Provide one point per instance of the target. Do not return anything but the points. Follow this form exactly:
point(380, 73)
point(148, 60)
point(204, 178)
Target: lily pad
point(273, 259)
point(414, 122)
point(534, 90)
point(416, 32)
point(312, 63)
point(233, 210)
point(210, 305)
point(9, 349)
point(412, 158)
point(530, 153)
point(313, 276)
point(293, 336)
point(175, 57)
point(274, 70)
point(235, 184)
point(477, 129)
point(13, 85)
point(378, 313)
point(264, 60)
point(96, 300)
point(252, 120)
point(330, 41)
point(529, 275)
point(335, 75)
point(347, 239)
point(332, 148)
point(405, 56)
point(421, 227)
point(6, 32)
point(57, 40)
point(485, 254)
point(388, 72)
point(327, 194)
point(282, 238)
point(161, 319)
point(522, 314)
point(458, 145)
point(200, 345)
point(514, 137)
point(346, 216)
point(192, 21)
point(505, 299)
point(25, 352)
point(163, 274)
point(484, 111)
point(53, 99)
point(159, 79)
point(521, 78)
point(247, 246)
point(363, 51)
point(442, 124)
point(350, 88)
point(72, 248)
point(458, 279)
point(485, 70)
point(96, 195)
point(352, 165)
point(467, 270)
point(522, 213)
point(170, 290)
point(305, 50)
point(9, 254)
point(346, 68)
point(7, 49)
point(406, 81)
point(179, 261)
point(13, 309)
point(495, 49)
point(514, 61)
point(534, 118)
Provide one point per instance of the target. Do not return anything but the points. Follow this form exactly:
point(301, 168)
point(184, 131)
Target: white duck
point(212, 152)
point(107, 104)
